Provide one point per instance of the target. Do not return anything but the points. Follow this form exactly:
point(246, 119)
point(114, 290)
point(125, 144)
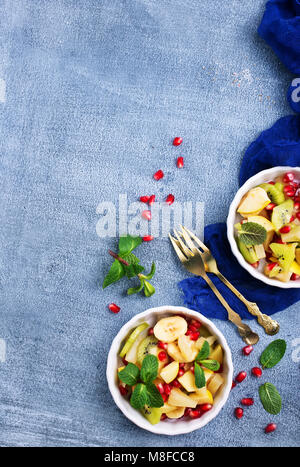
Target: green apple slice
point(132, 338)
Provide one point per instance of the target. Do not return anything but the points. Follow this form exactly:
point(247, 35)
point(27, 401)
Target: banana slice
point(170, 329)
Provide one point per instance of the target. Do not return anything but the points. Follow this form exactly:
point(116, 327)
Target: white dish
point(166, 427)
point(234, 217)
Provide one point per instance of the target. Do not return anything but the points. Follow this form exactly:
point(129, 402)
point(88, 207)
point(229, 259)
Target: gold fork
point(270, 325)
point(191, 259)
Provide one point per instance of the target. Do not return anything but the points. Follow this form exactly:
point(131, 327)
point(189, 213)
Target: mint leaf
point(273, 353)
point(200, 380)
point(134, 290)
point(139, 397)
point(211, 364)
point(204, 352)
point(270, 398)
point(115, 273)
point(130, 374)
point(148, 289)
point(151, 273)
point(252, 233)
point(134, 267)
point(154, 396)
point(127, 244)
point(149, 368)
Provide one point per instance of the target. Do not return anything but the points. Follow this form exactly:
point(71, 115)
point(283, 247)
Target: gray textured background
point(91, 94)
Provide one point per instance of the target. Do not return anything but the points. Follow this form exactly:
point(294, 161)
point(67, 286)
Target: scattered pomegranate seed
point(271, 266)
point(294, 277)
point(195, 414)
point(187, 412)
point(205, 407)
point(165, 397)
point(192, 369)
point(238, 412)
point(148, 238)
point(180, 372)
point(194, 336)
point(167, 389)
point(241, 376)
point(270, 428)
point(162, 345)
point(160, 387)
point(256, 371)
point(124, 361)
point(196, 323)
point(176, 384)
point(151, 200)
point(146, 215)
point(158, 175)
point(270, 206)
point(288, 177)
point(177, 141)
point(247, 349)
point(162, 356)
point(123, 390)
point(144, 199)
point(255, 265)
point(180, 162)
point(114, 308)
point(247, 401)
point(285, 229)
point(170, 199)
point(297, 206)
point(292, 219)
point(150, 332)
point(298, 215)
point(163, 417)
point(233, 384)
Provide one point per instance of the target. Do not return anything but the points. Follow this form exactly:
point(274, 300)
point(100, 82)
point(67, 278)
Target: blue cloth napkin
point(280, 28)
point(279, 145)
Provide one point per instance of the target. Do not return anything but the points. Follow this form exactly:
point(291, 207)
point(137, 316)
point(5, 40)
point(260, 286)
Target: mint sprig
point(251, 233)
point(270, 398)
point(200, 380)
point(273, 353)
point(128, 264)
point(202, 358)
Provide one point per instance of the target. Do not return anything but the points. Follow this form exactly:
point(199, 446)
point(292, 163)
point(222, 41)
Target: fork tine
point(185, 249)
point(196, 239)
point(189, 242)
point(178, 251)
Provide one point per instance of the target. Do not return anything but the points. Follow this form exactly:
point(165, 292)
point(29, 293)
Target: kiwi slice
point(248, 252)
point(285, 254)
point(281, 215)
point(144, 348)
point(152, 414)
point(129, 342)
point(275, 195)
point(279, 186)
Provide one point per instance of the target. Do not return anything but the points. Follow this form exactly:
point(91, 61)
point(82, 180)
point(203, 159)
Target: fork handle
point(244, 330)
point(270, 325)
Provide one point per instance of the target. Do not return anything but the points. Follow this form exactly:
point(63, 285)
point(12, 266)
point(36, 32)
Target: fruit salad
point(268, 234)
point(172, 370)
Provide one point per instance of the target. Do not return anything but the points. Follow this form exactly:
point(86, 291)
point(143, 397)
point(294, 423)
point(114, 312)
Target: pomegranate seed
point(290, 194)
point(170, 199)
point(163, 417)
point(187, 412)
point(192, 369)
point(233, 384)
point(160, 387)
point(270, 206)
point(285, 229)
point(294, 277)
point(151, 200)
point(247, 401)
point(162, 345)
point(162, 356)
point(192, 328)
point(123, 390)
point(255, 265)
point(256, 371)
point(158, 175)
point(177, 141)
point(114, 308)
point(271, 427)
point(144, 199)
point(220, 370)
point(195, 414)
point(188, 332)
point(196, 323)
point(297, 206)
point(150, 332)
point(148, 238)
point(239, 412)
point(271, 266)
point(247, 349)
point(124, 361)
point(271, 183)
point(292, 219)
point(176, 384)
point(298, 215)
point(165, 397)
point(181, 365)
point(180, 162)
point(205, 407)
point(288, 177)
point(167, 389)
point(279, 240)
point(180, 372)
point(241, 376)
point(146, 215)
point(194, 336)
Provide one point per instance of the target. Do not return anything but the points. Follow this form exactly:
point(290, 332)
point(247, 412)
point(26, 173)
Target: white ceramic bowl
point(234, 217)
point(167, 427)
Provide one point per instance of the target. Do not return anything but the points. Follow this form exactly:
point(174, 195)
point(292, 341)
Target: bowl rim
point(165, 428)
point(250, 183)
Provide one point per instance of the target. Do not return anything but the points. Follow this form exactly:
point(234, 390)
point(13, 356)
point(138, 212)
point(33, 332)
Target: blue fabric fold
point(280, 28)
point(279, 145)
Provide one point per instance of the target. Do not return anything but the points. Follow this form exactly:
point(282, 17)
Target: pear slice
point(174, 352)
point(177, 413)
point(169, 372)
point(297, 253)
point(293, 235)
point(295, 268)
point(255, 200)
point(217, 354)
point(202, 396)
point(215, 383)
point(188, 348)
point(187, 381)
point(178, 398)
